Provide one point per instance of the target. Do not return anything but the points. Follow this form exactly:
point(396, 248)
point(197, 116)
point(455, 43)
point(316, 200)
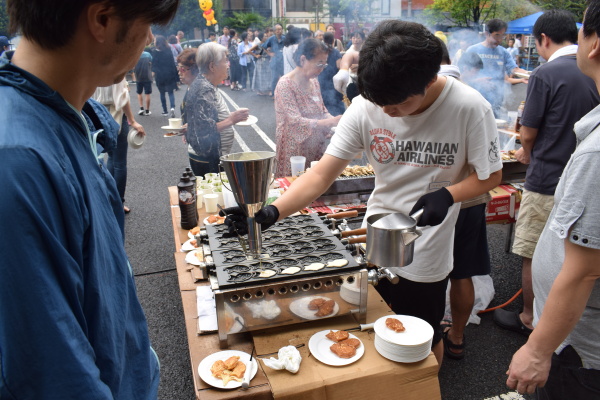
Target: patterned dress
point(297, 111)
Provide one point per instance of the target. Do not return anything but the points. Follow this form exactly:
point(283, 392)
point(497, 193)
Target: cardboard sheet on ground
point(318, 381)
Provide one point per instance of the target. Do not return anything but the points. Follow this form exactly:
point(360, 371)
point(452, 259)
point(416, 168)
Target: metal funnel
point(249, 175)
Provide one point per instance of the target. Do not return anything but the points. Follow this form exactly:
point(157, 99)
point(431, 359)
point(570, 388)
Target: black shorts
point(143, 87)
point(425, 300)
point(471, 253)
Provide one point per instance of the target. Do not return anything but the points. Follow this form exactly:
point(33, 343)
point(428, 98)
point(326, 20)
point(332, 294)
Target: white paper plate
point(191, 258)
point(187, 246)
point(250, 121)
point(207, 363)
point(168, 128)
point(319, 346)
point(417, 331)
point(300, 308)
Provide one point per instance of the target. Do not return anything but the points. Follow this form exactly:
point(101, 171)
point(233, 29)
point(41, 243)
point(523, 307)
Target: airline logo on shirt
point(385, 148)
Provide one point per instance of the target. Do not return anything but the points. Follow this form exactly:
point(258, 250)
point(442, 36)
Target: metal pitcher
point(391, 237)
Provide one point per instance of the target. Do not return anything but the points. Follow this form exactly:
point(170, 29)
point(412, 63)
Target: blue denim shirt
point(276, 46)
point(71, 325)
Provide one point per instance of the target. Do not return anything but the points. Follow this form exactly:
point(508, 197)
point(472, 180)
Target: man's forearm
point(567, 298)
point(528, 136)
point(472, 186)
point(310, 185)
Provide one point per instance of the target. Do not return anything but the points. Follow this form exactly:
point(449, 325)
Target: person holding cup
point(209, 122)
point(303, 123)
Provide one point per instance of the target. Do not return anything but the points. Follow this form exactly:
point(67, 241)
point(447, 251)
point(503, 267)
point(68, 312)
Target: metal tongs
point(240, 238)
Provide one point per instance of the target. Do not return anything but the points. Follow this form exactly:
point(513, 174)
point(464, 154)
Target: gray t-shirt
point(574, 217)
point(558, 95)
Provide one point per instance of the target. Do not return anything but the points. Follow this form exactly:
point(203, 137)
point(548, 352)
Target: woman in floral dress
point(303, 123)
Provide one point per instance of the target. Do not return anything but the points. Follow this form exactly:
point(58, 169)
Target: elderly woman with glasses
point(209, 123)
point(303, 123)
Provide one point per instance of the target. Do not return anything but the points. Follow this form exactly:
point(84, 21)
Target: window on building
point(385, 7)
point(300, 5)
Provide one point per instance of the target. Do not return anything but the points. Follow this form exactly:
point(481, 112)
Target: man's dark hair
point(172, 39)
point(518, 36)
point(358, 33)
point(161, 43)
point(469, 61)
point(212, 34)
point(328, 39)
point(310, 48)
point(445, 54)
point(187, 58)
point(398, 60)
point(495, 25)
point(558, 25)
point(260, 36)
point(244, 36)
point(591, 18)
point(52, 23)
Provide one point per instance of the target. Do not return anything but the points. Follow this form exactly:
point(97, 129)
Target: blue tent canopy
point(525, 25)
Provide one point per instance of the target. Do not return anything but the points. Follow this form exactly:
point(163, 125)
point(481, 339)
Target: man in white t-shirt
point(422, 134)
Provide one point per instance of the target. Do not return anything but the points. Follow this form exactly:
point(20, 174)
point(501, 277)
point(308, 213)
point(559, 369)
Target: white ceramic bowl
point(135, 139)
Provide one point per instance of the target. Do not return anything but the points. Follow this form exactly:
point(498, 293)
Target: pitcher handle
point(417, 214)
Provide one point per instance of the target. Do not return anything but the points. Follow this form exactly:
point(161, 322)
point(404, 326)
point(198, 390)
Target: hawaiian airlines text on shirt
point(385, 148)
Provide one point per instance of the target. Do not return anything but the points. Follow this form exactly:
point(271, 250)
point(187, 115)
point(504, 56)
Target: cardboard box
point(504, 204)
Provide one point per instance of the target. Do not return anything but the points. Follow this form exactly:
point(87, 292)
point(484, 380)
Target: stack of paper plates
point(412, 345)
point(350, 292)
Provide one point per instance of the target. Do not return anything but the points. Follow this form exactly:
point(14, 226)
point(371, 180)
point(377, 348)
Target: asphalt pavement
point(149, 242)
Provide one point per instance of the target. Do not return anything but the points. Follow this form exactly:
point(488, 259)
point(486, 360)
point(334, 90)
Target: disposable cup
point(298, 164)
point(210, 202)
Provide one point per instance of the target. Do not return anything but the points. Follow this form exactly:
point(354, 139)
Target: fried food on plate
point(351, 342)
point(316, 303)
point(337, 336)
point(395, 325)
point(194, 231)
point(343, 350)
point(325, 308)
point(228, 370)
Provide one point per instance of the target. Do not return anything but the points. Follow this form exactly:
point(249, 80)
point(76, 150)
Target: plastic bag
point(484, 293)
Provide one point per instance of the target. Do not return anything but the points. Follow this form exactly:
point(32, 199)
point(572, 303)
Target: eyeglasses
point(322, 66)
point(183, 68)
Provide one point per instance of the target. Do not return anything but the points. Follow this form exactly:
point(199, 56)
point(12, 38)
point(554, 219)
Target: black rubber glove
point(236, 219)
point(436, 206)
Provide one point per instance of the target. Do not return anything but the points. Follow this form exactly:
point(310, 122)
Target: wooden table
point(414, 381)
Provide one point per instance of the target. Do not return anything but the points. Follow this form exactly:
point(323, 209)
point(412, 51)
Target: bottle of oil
point(519, 115)
point(187, 202)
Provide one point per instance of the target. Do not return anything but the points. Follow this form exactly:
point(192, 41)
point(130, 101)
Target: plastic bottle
point(519, 115)
point(187, 202)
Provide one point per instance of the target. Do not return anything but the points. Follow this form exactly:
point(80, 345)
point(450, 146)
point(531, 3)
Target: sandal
point(448, 345)
point(446, 324)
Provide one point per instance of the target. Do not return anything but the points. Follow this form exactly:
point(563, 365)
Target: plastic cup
point(298, 164)
point(210, 202)
point(199, 197)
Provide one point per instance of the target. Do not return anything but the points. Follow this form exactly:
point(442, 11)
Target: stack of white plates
point(412, 345)
point(350, 292)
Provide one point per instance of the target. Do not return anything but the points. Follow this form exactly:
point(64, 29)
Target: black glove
point(436, 206)
point(236, 219)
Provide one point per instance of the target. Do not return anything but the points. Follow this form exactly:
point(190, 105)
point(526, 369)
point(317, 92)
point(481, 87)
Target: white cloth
point(288, 358)
point(450, 70)
point(114, 97)
point(288, 58)
point(418, 154)
point(564, 51)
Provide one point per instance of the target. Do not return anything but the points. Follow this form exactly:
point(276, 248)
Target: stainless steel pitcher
point(391, 237)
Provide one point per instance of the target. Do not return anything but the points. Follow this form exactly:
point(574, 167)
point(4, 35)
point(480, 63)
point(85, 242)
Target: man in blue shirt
point(71, 325)
point(274, 46)
point(496, 63)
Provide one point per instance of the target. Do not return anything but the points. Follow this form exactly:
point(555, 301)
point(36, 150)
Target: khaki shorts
point(533, 214)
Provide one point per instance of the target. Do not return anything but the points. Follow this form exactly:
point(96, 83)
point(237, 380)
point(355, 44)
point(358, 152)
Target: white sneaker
point(172, 115)
point(147, 112)
point(141, 112)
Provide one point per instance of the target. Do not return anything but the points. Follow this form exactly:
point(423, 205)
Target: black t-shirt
point(558, 95)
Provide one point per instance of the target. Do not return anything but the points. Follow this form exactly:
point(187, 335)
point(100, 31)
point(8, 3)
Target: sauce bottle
point(519, 115)
point(187, 202)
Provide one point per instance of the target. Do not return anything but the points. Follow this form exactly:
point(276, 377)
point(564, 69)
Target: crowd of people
point(389, 93)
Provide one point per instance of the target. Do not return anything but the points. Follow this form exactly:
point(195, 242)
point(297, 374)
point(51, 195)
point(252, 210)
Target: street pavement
point(160, 162)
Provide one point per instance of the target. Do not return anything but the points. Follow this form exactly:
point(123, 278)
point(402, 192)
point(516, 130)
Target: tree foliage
point(3, 19)
point(188, 17)
point(244, 20)
point(465, 13)
point(577, 7)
